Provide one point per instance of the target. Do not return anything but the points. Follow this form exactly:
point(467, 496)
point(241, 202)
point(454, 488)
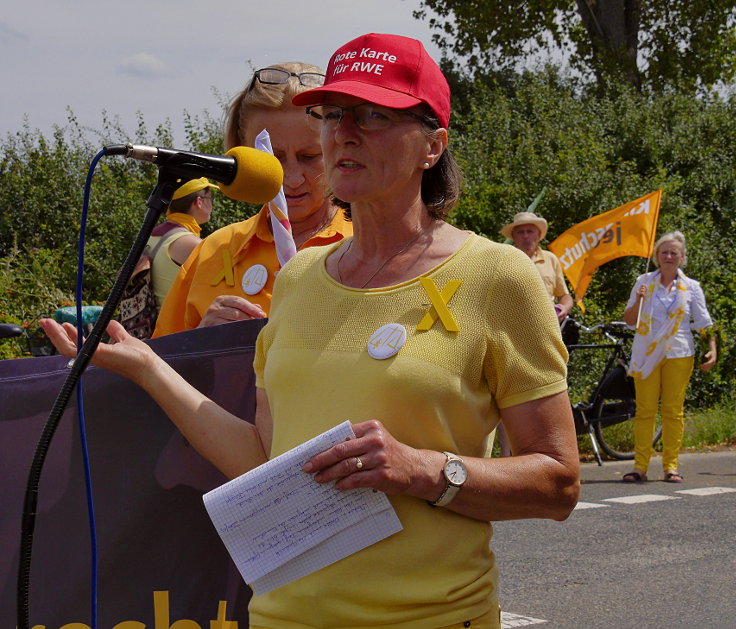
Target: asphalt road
point(643, 556)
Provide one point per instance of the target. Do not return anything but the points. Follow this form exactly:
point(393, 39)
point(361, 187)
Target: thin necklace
point(383, 264)
point(317, 230)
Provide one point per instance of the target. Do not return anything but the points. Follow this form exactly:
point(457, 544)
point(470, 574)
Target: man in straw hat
point(526, 231)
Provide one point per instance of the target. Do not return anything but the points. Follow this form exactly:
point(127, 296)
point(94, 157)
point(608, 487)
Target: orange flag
point(627, 230)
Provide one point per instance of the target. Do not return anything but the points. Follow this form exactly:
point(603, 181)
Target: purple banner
point(160, 559)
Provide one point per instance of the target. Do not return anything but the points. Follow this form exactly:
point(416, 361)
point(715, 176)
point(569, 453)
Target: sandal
point(634, 477)
point(673, 477)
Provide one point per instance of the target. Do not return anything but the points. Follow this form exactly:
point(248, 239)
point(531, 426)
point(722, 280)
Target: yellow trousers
point(668, 383)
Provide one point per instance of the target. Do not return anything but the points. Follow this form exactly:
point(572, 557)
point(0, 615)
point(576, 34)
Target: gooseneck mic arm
point(157, 204)
point(185, 164)
point(246, 174)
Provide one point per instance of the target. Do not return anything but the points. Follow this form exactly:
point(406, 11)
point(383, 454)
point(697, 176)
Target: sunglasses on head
point(276, 76)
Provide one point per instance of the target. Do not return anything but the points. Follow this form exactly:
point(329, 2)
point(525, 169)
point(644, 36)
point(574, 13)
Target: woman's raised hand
point(125, 355)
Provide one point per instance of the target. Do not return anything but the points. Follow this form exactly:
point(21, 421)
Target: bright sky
point(161, 57)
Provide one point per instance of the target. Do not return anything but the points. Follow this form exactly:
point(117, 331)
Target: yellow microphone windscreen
point(258, 178)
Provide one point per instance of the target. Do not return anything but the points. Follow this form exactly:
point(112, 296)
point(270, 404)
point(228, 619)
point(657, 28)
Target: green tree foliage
point(41, 195)
point(688, 44)
point(513, 136)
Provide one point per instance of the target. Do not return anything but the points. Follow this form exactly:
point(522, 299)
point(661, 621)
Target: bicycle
point(611, 403)
point(33, 339)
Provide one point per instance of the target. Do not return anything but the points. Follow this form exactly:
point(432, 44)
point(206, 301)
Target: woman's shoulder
point(488, 251)
point(647, 277)
point(233, 235)
point(308, 258)
point(496, 264)
point(480, 245)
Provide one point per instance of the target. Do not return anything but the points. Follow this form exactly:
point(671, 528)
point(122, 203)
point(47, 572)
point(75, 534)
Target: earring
point(426, 165)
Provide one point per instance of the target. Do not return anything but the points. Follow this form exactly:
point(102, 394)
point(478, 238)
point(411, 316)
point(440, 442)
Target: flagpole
point(649, 258)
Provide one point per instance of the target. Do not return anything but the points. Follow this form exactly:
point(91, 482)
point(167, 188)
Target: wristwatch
point(455, 474)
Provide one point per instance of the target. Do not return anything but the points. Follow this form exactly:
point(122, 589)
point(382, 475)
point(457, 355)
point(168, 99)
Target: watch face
point(455, 472)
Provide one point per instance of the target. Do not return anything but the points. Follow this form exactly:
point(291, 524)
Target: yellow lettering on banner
point(161, 614)
point(162, 619)
point(221, 622)
point(227, 270)
point(439, 305)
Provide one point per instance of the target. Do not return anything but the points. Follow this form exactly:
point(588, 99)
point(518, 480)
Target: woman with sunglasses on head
point(423, 336)
point(230, 276)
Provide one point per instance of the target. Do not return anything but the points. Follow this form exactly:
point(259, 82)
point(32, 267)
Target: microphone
point(246, 174)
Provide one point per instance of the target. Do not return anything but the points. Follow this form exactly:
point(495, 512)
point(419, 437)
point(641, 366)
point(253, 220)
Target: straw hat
point(525, 218)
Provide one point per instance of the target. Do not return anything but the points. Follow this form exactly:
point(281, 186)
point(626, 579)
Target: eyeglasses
point(367, 116)
point(276, 76)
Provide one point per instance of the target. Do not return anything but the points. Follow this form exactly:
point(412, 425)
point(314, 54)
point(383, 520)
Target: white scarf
point(651, 346)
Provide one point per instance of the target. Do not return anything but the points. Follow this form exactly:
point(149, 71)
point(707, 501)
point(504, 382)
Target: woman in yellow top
point(230, 275)
point(411, 330)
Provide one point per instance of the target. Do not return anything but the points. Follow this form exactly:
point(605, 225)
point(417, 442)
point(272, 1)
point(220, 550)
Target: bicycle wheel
point(612, 415)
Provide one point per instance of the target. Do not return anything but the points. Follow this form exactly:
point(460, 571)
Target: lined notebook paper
point(279, 525)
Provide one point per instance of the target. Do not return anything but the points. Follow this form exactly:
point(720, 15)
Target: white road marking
point(589, 505)
point(508, 621)
point(630, 500)
point(706, 491)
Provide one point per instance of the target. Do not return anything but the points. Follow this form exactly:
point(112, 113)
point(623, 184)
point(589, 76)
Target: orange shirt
point(238, 259)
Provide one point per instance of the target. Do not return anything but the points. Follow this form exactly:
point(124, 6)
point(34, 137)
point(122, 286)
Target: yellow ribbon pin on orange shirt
point(227, 270)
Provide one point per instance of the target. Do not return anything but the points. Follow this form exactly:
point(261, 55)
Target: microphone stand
point(157, 203)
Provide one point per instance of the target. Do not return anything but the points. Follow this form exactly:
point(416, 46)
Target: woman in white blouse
point(664, 306)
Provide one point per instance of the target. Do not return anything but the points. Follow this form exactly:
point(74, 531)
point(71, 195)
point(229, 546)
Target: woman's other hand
point(710, 360)
point(229, 308)
point(124, 355)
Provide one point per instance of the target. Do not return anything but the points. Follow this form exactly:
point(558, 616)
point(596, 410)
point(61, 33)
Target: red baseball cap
point(389, 70)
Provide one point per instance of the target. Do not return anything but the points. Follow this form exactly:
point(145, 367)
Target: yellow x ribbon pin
point(227, 270)
point(439, 305)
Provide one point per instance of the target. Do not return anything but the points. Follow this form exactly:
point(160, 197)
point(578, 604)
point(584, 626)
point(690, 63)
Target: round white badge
point(386, 341)
point(254, 279)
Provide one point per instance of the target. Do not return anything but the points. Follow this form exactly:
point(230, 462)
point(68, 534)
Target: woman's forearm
point(230, 443)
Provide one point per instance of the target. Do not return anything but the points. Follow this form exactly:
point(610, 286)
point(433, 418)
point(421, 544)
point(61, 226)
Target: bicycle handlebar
point(614, 330)
point(10, 330)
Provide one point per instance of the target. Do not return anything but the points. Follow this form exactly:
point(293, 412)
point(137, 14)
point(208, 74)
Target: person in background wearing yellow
point(172, 241)
point(526, 231)
point(230, 276)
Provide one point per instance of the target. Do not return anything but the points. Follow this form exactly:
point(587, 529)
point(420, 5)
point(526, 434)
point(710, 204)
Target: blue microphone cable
point(80, 395)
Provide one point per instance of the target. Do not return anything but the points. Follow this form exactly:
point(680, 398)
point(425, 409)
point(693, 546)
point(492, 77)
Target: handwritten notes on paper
point(279, 525)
